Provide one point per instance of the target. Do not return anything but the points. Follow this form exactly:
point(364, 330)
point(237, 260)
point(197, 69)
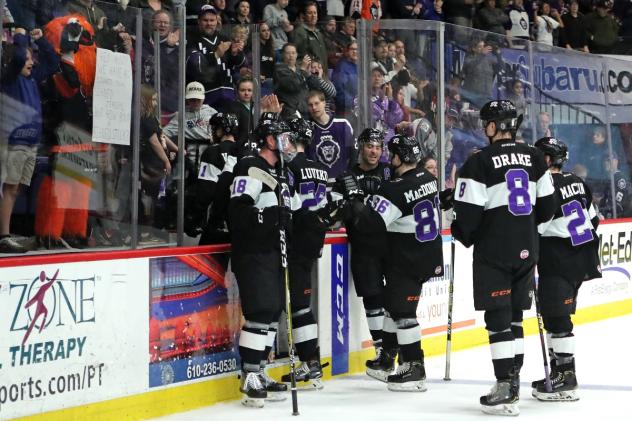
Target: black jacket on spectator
point(245, 118)
point(397, 9)
point(457, 8)
point(492, 20)
point(168, 72)
point(267, 59)
point(574, 32)
point(292, 87)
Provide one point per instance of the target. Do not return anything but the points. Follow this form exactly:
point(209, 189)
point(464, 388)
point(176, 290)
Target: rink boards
point(134, 335)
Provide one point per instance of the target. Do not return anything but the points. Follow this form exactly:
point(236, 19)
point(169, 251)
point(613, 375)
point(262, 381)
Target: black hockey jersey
point(308, 180)
point(502, 193)
point(407, 208)
point(374, 244)
point(214, 179)
point(569, 243)
point(255, 189)
point(621, 197)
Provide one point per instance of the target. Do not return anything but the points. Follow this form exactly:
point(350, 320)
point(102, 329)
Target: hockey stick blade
point(263, 176)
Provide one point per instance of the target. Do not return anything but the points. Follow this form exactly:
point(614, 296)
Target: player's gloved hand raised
point(446, 197)
point(349, 186)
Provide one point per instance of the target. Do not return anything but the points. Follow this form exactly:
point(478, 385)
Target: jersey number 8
point(518, 184)
point(424, 213)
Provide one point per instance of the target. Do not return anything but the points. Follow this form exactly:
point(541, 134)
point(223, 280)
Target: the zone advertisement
point(194, 319)
point(71, 334)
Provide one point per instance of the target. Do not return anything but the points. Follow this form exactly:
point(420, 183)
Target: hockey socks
point(503, 349)
point(305, 331)
point(383, 364)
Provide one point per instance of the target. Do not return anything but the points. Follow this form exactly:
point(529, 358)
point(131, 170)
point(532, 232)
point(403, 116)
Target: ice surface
point(603, 371)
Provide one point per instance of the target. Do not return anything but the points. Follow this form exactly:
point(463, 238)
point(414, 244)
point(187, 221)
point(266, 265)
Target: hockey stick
point(263, 176)
point(288, 304)
point(547, 377)
point(448, 351)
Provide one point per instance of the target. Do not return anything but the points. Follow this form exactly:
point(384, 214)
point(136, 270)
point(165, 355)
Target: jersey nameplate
point(574, 189)
point(421, 191)
point(504, 160)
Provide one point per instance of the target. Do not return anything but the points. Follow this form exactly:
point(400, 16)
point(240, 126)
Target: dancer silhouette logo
point(38, 300)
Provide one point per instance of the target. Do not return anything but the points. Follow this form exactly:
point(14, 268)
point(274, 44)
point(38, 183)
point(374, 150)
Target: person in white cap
point(197, 136)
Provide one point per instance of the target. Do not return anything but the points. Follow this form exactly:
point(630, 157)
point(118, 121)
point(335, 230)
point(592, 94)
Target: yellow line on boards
point(171, 400)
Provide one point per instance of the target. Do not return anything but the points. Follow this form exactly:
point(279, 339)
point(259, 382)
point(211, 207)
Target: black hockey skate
point(254, 393)
point(308, 376)
point(501, 400)
point(276, 391)
point(409, 377)
point(563, 383)
point(536, 383)
point(382, 365)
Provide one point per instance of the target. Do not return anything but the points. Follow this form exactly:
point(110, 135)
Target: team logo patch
point(621, 184)
point(524, 254)
point(438, 270)
point(328, 151)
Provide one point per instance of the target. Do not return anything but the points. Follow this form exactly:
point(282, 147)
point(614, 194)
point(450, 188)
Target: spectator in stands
point(93, 14)
point(307, 37)
point(575, 33)
point(320, 82)
point(492, 19)
point(267, 52)
point(345, 79)
point(478, 73)
point(516, 96)
point(346, 35)
point(24, 12)
point(149, 7)
point(546, 22)
point(169, 39)
point(51, 9)
point(276, 18)
point(406, 9)
point(20, 104)
point(430, 164)
point(544, 125)
point(243, 109)
point(197, 135)
point(386, 112)
point(223, 14)
point(212, 58)
point(334, 48)
point(433, 10)
point(518, 26)
point(621, 190)
point(155, 159)
point(290, 81)
point(602, 28)
point(459, 12)
point(242, 13)
point(399, 98)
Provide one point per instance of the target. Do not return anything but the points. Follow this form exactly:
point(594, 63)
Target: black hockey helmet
point(371, 135)
point(274, 128)
point(555, 148)
point(503, 113)
point(302, 129)
point(226, 121)
point(406, 147)
point(265, 127)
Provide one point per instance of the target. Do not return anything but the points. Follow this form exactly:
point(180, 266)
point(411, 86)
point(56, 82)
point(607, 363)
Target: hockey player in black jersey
point(215, 176)
point(255, 217)
point(502, 193)
point(309, 185)
point(406, 208)
point(367, 253)
point(568, 256)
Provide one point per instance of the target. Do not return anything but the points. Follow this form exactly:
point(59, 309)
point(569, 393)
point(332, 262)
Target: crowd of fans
point(308, 64)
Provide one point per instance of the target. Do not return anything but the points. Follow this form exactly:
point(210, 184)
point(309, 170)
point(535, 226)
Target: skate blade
point(561, 396)
point(380, 375)
point(503, 409)
point(416, 386)
point(276, 396)
point(252, 402)
point(306, 385)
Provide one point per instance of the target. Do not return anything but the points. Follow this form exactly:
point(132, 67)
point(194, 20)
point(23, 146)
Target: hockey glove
point(370, 184)
point(279, 216)
point(349, 186)
point(330, 213)
point(446, 197)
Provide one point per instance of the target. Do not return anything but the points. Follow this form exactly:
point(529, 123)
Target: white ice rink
point(603, 371)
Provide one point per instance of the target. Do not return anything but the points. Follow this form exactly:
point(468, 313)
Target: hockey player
point(407, 209)
point(367, 252)
point(333, 144)
point(568, 256)
point(502, 193)
point(214, 177)
point(309, 224)
point(255, 218)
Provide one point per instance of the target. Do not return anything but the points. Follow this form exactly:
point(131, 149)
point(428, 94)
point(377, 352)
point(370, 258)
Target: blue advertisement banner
point(339, 309)
point(194, 319)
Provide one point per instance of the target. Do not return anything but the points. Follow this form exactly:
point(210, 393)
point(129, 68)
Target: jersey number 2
point(578, 220)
